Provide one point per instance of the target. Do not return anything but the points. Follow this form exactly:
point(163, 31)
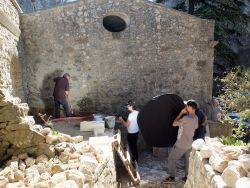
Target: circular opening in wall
point(115, 22)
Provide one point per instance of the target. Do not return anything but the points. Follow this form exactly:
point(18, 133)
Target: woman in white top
point(133, 130)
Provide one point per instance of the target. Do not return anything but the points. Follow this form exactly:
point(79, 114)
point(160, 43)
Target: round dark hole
point(114, 23)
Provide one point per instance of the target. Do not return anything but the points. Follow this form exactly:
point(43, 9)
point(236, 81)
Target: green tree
point(236, 90)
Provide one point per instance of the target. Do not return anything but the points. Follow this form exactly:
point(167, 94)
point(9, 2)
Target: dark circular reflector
point(156, 118)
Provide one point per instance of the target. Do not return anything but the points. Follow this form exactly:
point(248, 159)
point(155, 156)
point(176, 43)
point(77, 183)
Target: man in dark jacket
point(61, 92)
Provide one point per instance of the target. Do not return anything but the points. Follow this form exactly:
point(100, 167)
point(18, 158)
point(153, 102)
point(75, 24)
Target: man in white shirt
point(133, 130)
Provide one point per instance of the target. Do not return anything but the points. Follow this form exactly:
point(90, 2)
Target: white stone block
point(218, 182)
point(233, 152)
point(231, 174)
point(97, 127)
point(245, 161)
point(206, 151)
point(197, 144)
point(243, 183)
point(102, 140)
point(76, 176)
point(67, 184)
point(29, 161)
point(218, 163)
point(58, 178)
point(41, 158)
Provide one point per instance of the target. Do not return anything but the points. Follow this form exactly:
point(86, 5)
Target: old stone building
point(116, 50)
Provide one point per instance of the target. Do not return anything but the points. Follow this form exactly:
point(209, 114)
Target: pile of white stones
point(75, 164)
point(213, 164)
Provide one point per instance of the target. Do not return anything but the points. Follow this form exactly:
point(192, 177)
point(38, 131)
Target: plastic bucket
point(98, 117)
point(110, 121)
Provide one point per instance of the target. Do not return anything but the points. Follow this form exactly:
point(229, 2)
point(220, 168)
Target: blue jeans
point(66, 107)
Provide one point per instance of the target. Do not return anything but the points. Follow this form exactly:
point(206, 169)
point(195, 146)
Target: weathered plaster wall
point(161, 51)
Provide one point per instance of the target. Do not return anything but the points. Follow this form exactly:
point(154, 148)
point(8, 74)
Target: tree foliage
point(236, 90)
point(230, 23)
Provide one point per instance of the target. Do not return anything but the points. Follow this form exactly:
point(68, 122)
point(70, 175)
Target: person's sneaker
point(169, 180)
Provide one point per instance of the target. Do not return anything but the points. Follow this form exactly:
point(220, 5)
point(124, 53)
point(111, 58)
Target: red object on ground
point(85, 117)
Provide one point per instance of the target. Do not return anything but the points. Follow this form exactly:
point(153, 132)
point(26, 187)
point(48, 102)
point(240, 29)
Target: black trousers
point(66, 107)
point(132, 143)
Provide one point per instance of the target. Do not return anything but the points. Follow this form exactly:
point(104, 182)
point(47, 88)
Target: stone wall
point(10, 68)
point(160, 51)
point(77, 163)
point(17, 132)
point(214, 165)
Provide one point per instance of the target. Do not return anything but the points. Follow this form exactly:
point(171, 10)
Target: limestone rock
point(5, 172)
point(245, 161)
point(46, 149)
point(23, 156)
point(29, 161)
point(233, 152)
point(206, 152)
point(64, 137)
point(197, 144)
point(60, 147)
point(19, 175)
point(45, 131)
point(214, 142)
point(82, 147)
point(14, 112)
point(64, 157)
point(41, 158)
point(38, 138)
point(217, 163)
point(76, 139)
point(67, 184)
point(3, 181)
point(218, 182)
point(32, 175)
point(44, 167)
point(16, 185)
point(14, 127)
point(57, 168)
point(14, 165)
point(44, 176)
point(9, 101)
point(243, 183)
point(210, 173)
point(20, 138)
point(88, 162)
point(88, 166)
point(232, 173)
point(22, 166)
point(58, 178)
point(76, 176)
point(11, 177)
point(74, 156)
point(51, 139)
point(44, 184)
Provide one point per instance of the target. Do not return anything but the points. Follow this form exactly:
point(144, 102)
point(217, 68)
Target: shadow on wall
point(47, 91)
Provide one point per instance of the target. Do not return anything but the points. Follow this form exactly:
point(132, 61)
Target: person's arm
point(67, 89)
point(176, 122)
point(66, 93)
point(204, 121)
point(124, 123)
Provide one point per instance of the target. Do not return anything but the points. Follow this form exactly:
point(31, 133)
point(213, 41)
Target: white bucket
point(110, 121)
